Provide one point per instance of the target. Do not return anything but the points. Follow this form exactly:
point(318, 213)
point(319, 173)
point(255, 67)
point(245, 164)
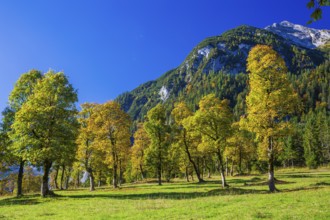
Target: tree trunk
point(91, 181)
point(222, 170)
point(271, 177)
point(44, 186)
point(240, 162)
point(115, 178)
point(20, 178)
point(62, 176)
point(141, 170)
point(159, 165)
point(78, 179)
point(67, 180)
point(200, 179)
point(56, 175)
point(159, 174)
point(200, 168)
point(227, 169)
point(120, 174)
point(232, 168)
point(187, 174)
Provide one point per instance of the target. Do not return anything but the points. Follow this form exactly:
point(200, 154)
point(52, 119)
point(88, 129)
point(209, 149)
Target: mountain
point(218, 65)
point(303, 36)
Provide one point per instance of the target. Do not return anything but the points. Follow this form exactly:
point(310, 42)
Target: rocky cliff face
point(300, 35)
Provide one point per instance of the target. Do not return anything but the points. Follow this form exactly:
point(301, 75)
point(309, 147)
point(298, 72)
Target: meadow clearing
point(304, 194)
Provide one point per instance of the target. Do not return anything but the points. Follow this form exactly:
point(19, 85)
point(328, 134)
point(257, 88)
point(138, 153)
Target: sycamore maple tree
point(87, 154)
point(158, 132)
point(22, 90)
point(111, 126)
point(270, 101)
point(185, 136)
point(45, 125)
point(213, 121)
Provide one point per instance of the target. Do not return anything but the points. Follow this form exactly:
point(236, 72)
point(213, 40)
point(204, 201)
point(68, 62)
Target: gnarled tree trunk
point(115, 176)
point(62, 177)
point(200, 179)
point(142, 172)
point(159, 173)
point(56, 175)
point(44, 186)
point(271, 176)
point(20, 178)
point(91, 180)
point(222, 170)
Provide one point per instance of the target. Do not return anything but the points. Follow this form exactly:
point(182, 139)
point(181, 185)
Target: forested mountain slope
point(218, 65)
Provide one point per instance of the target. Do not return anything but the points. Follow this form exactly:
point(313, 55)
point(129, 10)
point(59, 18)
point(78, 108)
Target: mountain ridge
point(301, 35)
point(215, 58)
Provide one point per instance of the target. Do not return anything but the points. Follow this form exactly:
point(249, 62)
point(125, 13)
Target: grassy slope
point(304, 195)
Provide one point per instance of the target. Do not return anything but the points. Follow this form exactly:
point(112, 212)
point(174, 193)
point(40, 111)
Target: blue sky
point(107, 47)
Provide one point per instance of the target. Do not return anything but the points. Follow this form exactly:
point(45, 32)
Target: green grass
point(304, 194)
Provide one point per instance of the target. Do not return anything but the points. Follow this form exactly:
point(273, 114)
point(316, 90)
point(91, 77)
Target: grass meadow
point(304, 194)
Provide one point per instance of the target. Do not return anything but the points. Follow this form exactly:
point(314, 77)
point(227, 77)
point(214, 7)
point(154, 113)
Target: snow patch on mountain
point(205, 51)
point(300, 35)
point(164, 93)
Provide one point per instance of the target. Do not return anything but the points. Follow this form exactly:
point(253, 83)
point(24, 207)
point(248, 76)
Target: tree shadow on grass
point(195, 185)
point(34, 199)
point(305, 176)
point(24, 200)
point(310, 187)
point(172, 195)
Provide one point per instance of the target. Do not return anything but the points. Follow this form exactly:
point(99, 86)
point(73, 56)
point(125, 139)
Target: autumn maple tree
point(111, 126)
point(270, 102)
point(213, 121)
point(186, 138)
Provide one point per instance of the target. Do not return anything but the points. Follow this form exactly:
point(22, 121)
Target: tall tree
point(158, 132)
point(46, 123)
point(112, 135)
point(88, 155)
point(213, 120)
point(270, 101)
point(186, 138)
point(22, 90)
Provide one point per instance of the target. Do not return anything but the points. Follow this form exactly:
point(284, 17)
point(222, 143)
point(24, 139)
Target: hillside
point(217, 65)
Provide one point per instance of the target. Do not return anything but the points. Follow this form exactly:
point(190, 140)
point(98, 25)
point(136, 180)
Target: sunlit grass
point(304, 194)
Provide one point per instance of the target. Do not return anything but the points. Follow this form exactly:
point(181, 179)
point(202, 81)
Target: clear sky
point(107, 47)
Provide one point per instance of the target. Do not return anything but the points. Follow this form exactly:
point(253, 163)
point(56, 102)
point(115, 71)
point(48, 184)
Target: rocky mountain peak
point(300, 35)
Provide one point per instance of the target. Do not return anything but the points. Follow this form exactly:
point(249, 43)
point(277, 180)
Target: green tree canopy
point(46, 125)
